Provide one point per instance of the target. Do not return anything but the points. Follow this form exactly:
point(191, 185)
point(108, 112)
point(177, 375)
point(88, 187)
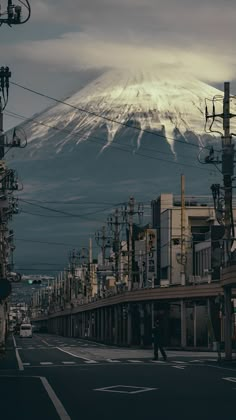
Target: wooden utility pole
point(228, 172)
point(225, 211)
point(183, 248)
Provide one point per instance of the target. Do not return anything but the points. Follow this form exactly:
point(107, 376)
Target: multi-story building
point(190, 250)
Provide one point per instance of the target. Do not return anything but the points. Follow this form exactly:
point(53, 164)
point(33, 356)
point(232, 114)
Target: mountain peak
point(159, 101)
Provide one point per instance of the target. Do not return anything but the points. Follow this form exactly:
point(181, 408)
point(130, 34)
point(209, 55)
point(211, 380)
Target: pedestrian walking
point(158, 341)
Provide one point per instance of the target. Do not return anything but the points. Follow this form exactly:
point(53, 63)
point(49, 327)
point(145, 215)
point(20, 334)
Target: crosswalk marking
point(180, 362)
point(26, 364)
point(68, 363)
point(134, 361)
point(90, 361)
point(158, 361)
point(46, 363)
point(179, 367)
point(113, 361)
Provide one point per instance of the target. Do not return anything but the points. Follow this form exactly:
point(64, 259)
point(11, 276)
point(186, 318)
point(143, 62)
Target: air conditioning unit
point(164, 283)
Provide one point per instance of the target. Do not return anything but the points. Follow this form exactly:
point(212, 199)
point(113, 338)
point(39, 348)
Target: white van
point(26, 330)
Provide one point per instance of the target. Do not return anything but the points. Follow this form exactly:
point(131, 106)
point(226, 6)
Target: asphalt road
point(50, 377)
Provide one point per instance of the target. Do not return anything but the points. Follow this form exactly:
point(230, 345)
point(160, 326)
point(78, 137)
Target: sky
point(68, 43)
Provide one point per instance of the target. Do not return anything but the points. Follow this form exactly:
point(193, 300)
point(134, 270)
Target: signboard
point(151, 268)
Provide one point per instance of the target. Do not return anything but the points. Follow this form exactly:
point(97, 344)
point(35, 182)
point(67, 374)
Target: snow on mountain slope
point(154, 101)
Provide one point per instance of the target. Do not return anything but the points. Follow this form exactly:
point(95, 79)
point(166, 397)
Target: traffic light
point(30, 282)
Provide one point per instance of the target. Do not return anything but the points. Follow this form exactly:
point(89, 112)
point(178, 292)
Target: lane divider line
point(14, 341)
point(19, 361)
point(72, 354)
point(63, 415)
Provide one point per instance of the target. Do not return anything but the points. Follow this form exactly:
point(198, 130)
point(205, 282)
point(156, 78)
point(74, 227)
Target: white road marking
point(68, 363)
point(195, 361)
point(180, 362)
point(179, 367)
point(55, 400)
point(134, 361)
point(230, 379)
point(137, 389)
point(45, 342)
point(19, 361)
point(26, 364)
point(113, 361)
point(90, 361)
point(72, 354)
point(46, 363)
point(14, 340)
point(158, 361)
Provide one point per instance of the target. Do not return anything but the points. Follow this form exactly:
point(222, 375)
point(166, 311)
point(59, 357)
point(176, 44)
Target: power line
point(50, 243)
point(63, 212)
point(98, 140)
point(31, 119)
point(124, 124)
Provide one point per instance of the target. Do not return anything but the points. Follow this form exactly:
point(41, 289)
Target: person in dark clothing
point(158, 340)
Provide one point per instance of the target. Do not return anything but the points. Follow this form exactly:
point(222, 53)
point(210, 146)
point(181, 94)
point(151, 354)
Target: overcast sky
point(67, 43)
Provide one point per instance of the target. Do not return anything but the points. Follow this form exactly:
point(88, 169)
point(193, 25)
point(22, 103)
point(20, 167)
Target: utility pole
point(116, 225)
point(129, 212)
point(13, 14)
point(103, 241)
point(223, 202)
point(183, 250)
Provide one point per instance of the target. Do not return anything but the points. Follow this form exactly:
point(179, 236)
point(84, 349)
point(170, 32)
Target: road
point(51, 377)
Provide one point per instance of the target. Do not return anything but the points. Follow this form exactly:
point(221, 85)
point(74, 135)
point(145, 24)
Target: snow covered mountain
point(91, 151)
point(148, 100)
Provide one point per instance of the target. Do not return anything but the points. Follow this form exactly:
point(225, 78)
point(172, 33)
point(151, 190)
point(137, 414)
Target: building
point(190, 250)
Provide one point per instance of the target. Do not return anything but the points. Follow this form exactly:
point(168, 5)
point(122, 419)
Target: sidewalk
point(8, 358)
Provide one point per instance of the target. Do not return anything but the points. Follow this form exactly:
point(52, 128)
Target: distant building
point(201, 237)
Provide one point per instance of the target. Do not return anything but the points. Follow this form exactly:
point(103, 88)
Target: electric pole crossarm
point(14, 14)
